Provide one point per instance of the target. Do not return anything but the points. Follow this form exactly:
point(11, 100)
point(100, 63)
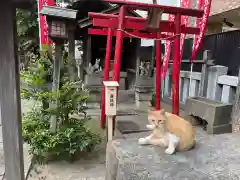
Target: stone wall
point(220, 86)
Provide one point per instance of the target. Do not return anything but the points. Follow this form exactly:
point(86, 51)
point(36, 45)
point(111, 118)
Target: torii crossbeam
point(119, 26)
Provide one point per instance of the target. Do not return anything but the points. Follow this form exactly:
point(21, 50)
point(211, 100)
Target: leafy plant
point(153, 101)
point(72, 136)
point(27, 28)
point(70, 98)
point(71, 139)
point(35, 79)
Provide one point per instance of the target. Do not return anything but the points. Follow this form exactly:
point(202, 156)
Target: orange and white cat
point(169, 131)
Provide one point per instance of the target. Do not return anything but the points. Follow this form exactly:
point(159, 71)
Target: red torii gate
point(119, 26)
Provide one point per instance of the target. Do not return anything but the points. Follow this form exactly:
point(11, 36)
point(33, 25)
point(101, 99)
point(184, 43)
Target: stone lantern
point(60, 22)
point(57, 30)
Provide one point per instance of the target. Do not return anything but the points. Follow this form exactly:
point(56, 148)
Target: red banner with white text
point(168, 44)
point(168, 47)
point(201, 23)
point(197, 23)
point(184, 21)
point(43, 27)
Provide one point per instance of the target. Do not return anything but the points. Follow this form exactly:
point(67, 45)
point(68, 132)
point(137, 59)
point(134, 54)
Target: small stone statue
point(94, 68)
point(144, 68)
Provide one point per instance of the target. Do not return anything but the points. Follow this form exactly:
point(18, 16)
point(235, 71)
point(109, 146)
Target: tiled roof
point(59, 12)
point(219, 6)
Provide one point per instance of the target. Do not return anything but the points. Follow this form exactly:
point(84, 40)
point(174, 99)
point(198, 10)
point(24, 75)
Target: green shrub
point(71, 136)
point(71, 139)
point(153, 101)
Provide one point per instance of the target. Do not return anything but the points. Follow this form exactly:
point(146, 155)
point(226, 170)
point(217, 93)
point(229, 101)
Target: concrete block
point(143, 96)
point(214, 72)
point(144, 81)
point(143, 104)
point(217, 114)
point(95, 79)
point(209, 160)
point(95, 95)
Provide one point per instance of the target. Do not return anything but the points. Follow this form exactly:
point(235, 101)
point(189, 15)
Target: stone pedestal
point(143, 91)
point(215, 113)
point(122, 82)
point(94, 82)
point(95, 79)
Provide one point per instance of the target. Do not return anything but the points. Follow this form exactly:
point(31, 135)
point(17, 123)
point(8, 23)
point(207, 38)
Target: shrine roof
point(85, 6)
point(112, 10)
point(59, 12)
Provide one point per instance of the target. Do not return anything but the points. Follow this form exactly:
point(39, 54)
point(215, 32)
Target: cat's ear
point(151, 110)
point(162, 111)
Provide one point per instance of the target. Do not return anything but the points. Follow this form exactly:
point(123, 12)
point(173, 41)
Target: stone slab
point(216, 113)
point(143, 96)
point(144, 81)
point(97, 112)
point(128, 127)
point(210, 160)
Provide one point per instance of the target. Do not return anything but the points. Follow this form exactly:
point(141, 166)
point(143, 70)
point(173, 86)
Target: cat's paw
point(142, 141)
point(150, 126)
point(169, 151)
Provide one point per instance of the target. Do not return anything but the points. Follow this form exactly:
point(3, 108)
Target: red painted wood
point(158, 73)
point(166, 9)
point(106, 75)
point(128, 24)
point(119, 43)
point(118, 51)
point(107, 16)
point(121, 23)
point(176, 68)
point(104, 32)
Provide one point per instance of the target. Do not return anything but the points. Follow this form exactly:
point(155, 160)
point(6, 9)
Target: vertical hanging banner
point(197, 23)
point(168, 47)
point(205, 5)
point(43, 27)
point(168, 44)
point(184, 21)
